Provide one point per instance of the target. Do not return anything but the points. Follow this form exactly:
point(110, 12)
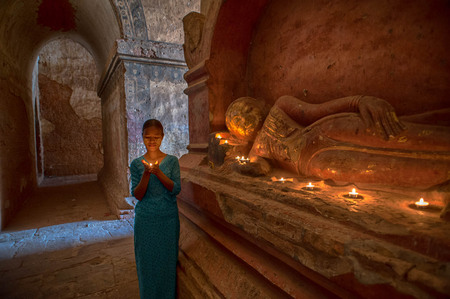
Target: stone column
point(198, 92)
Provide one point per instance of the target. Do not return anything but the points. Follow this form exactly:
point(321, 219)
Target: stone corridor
point(64, 243)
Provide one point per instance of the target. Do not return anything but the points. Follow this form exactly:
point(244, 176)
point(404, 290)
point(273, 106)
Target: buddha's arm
point(305, 113)
point(374, 111)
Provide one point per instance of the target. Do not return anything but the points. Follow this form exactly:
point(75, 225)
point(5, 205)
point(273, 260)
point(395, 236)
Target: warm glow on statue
point(245, 117)
point(356, 139)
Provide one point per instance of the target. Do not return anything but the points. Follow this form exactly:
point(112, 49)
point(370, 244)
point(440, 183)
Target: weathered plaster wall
point(321, 50)
point(17, 164)
point(155, 91)
point(16, 156)
point(70, 110)
point(164, 18)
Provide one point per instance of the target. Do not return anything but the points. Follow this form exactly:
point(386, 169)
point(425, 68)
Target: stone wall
point(164, 18)
point(156, 91)
point(17, 164)
point(71, 125)
point(321, 50)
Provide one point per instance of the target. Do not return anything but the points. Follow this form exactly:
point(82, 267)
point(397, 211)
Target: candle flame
point(421, 203)
point(353, 193)
point(218, 136)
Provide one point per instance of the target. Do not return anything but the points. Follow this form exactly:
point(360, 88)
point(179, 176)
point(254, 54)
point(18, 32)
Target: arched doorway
point(69, 142)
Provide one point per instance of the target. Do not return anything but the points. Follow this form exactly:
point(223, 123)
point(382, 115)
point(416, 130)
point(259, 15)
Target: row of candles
point(353, 194)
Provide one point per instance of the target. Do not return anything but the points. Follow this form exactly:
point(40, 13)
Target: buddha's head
point(244, 117)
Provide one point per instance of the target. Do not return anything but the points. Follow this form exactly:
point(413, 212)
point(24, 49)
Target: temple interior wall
point(321, 50)
point(163, 19)
point(16, 148)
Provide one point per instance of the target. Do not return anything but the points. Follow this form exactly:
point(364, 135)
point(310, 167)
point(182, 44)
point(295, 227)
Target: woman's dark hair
point(153, 123)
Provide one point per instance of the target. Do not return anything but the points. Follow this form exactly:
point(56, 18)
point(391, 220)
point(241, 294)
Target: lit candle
point(218, 136)
point(226, 142)
point(421, 203)
point(274, 179)
point(353, 193)
point(310, 186)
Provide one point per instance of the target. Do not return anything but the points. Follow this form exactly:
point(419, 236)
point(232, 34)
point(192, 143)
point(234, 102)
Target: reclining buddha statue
point(356, 139)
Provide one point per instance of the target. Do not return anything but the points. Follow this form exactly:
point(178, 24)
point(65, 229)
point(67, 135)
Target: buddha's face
point(244, 118)
point(152, 138)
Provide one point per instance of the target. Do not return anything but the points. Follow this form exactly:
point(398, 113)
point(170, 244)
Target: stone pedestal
point(242, 233)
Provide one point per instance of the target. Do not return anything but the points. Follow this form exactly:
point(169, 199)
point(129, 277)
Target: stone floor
point(64, 243)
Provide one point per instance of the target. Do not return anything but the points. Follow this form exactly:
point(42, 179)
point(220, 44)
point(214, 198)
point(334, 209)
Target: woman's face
point(152, 138)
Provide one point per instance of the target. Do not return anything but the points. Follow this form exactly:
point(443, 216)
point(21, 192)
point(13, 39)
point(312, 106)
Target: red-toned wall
point(396, 50)
point(228, 58)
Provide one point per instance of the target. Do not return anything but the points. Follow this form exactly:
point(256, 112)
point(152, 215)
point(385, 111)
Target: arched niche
point(318, 51)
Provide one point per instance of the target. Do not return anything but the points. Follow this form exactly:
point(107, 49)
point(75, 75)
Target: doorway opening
point(68, 115)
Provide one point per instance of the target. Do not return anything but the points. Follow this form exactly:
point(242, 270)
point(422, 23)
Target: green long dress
point(156, 230)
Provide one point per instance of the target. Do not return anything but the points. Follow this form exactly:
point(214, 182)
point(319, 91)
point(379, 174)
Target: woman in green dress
point(155, 182)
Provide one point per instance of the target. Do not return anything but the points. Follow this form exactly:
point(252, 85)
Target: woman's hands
point(151, 168)
point(381, 115)
point(154, 168)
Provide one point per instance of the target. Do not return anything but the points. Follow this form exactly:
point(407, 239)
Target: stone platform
point(321, 241)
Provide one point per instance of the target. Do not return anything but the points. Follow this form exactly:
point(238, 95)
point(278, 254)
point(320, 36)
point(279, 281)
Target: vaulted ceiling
point(26, 26)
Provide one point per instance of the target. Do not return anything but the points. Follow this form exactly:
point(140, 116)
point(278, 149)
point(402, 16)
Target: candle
point(310, 186)
point(149, 164)
point(421, 203)
point(353, 193)
point(146, 163)
point(226, 142)
point(274, 179)
point(242, 160)
point(218, 136)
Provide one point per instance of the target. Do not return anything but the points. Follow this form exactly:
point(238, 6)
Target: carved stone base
point(238, 231)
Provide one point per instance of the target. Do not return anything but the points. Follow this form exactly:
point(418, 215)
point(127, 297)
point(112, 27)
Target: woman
point(155, 182)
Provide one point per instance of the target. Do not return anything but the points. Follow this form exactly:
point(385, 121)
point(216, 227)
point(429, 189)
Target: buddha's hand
point(379, 114)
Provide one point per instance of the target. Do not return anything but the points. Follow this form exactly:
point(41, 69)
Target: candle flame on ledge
point(274, 179)
point(353, 193)
point(422, 203)
point(310, 186)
